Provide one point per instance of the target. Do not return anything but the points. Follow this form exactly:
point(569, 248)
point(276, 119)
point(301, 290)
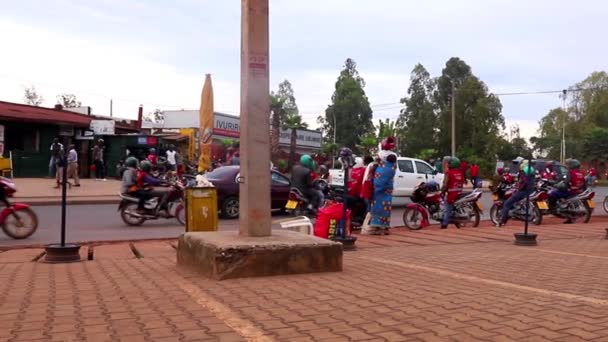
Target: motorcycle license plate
point(542, 205)
point(495, 198)
point(291, 204)
point(591, 204)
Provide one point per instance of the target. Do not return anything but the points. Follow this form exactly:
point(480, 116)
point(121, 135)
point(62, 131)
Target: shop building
point(227, 128)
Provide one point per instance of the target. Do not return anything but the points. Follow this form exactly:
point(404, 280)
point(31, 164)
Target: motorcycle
point(174, 207)
point(298, 205)
point(428, 204)
point(18, 220)
point(577, 206)
point(534, 214)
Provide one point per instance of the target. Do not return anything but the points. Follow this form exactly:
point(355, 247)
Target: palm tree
point(386, 128)
point(277, 115)
point(367, 144)
point(293, 122)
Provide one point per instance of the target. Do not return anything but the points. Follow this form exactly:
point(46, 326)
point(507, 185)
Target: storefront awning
point(24, 113)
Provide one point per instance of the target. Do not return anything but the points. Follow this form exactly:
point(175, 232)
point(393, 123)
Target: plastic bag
point(328, 217)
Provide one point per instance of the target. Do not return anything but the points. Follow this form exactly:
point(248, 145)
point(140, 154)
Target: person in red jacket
point(573, 185)
point(452, 185)
point(475, 175)
point(355, 181)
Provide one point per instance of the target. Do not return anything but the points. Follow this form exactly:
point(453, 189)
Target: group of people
point(573, 183)
point(67, 161)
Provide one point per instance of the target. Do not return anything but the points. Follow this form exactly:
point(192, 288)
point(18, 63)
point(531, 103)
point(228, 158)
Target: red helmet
point(388, 143)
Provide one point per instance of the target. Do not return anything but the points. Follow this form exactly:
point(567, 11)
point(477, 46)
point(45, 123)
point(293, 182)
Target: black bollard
point(526, 239)
point(63, 252)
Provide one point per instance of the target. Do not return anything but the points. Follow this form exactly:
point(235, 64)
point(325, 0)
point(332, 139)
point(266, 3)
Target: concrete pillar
point(255, 120)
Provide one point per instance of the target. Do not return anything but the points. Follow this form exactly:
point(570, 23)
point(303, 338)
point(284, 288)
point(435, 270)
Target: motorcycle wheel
point(538, 216)
point(180, 214)
point(588, 213)
point(129, 219)
point(474, 219)
point(412, 219)
point(605, 204)
point(495, 213)
point(22, 226)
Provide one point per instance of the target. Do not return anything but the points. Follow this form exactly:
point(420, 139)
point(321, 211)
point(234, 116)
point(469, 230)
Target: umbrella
point(206, 126)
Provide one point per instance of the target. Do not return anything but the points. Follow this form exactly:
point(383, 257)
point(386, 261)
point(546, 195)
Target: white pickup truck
point(410, 172)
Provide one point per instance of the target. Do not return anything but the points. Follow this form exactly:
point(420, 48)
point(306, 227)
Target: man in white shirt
point(172, 158)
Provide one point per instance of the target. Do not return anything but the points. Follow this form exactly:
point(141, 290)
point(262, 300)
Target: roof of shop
point(25, 113)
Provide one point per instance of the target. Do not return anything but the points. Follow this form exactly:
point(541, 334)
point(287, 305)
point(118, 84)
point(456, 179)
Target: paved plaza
point(428, 285)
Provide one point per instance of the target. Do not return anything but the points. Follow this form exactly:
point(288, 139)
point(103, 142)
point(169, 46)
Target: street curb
point(89, 243)
point(52, 201)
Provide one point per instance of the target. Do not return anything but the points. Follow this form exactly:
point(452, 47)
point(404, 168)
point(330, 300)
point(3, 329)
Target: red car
point(225, 180)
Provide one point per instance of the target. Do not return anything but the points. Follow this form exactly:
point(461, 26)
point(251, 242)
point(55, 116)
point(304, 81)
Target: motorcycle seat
point(297, 192)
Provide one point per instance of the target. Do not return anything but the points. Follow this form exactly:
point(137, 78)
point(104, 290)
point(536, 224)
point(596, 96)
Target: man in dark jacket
point(301, 178)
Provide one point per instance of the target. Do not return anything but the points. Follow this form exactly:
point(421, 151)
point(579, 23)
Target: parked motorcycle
point(18, 220)
point(576, 207)
point(174, 207)
point(428, 204)
point(298, 204)
point(538, 202)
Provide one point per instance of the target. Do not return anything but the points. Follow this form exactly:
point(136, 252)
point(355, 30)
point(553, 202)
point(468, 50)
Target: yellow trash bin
point(201, 209)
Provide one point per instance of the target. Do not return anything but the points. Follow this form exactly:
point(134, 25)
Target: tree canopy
point(349, 109)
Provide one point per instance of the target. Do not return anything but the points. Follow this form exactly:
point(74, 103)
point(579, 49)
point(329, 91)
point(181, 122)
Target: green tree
point(282, 104)
point(595, 145)
point(417, 122)
point(368, 144)
point(68, 100)
point(349, 108)
point(478, 113)
point(293, 122)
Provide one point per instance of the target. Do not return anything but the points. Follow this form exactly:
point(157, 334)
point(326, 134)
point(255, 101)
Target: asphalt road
point(102, 223)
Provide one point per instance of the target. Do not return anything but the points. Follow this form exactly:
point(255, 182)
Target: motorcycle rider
point(573, 185)
point(129, 177)
point(144, 183)
point(301, 179)
point(152, 157)
point(525, 186)
point(452, 185)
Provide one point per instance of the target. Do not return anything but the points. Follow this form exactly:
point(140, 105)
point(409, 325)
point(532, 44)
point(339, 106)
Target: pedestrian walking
point(381, 205)
point(73, 165)
point(56, 148)
point(474, 172)
point(60, 168)
point(98, 151)
point(172, 158)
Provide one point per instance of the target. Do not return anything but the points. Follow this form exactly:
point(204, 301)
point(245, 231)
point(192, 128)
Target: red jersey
point(577, 181)
point(592, 172)
point(474, 170)
point(356, 181)
point(455, 182)
point(152, 159)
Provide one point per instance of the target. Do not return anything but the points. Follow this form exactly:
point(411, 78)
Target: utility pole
point(333, 159)
point(111, 107)
point(563, 147)
point(453, 120)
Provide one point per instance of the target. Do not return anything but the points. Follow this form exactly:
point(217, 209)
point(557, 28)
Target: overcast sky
point(156, 52)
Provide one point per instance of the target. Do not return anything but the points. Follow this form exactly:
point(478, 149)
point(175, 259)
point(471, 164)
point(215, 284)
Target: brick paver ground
point(427, 285)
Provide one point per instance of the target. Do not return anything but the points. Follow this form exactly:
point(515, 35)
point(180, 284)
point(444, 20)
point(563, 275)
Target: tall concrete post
point(255, 120)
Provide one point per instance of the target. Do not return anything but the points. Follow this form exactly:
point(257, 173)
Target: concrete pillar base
point(227, 255)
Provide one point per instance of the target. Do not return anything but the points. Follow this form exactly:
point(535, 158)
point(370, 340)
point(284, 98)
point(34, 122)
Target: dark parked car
point(225, 180)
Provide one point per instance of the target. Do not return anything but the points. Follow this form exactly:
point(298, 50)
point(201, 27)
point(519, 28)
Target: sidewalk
point(429, 285)
point(40, 191)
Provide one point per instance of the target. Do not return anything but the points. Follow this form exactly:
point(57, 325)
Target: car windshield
point(221, 172)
